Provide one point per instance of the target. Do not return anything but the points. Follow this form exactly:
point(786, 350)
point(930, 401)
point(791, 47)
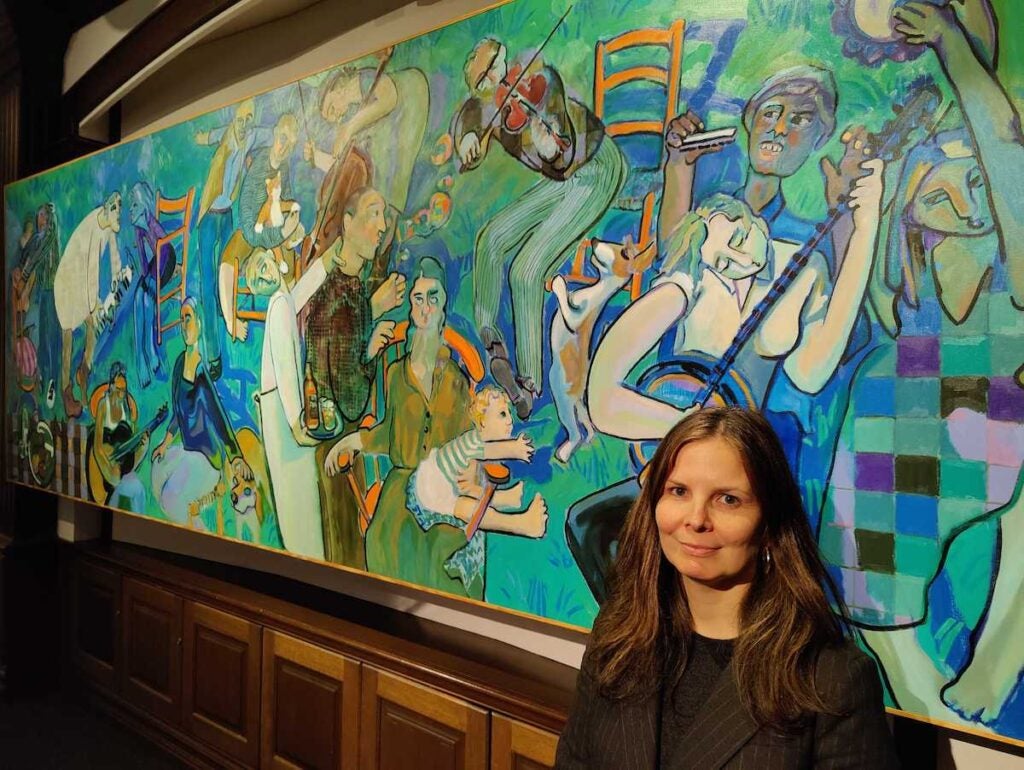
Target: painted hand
point(523, 449)
point(839, 179)
point(382, 335)
point(679, 130)
point(390, 295)
point(469, 149)
point(468, 482)
point(924, 23)
point(341, 454)
point(866, 196)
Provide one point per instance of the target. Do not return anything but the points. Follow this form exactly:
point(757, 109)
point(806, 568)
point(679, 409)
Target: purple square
point(917, 356)
point(1005, 400)
point(875, 472)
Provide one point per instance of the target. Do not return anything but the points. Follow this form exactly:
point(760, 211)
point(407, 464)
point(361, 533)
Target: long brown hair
point(785, 619)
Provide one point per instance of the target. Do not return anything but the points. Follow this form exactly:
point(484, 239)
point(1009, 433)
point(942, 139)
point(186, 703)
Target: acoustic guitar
point(104, 476)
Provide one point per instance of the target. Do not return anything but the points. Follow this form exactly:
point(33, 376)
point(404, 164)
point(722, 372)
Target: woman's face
point(709, 520)
point(426, 303)
point(732, 250)
point(189, 326)
point(953, 200)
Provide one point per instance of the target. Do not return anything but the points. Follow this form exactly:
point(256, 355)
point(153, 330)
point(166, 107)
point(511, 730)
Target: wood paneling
point(151, 657)
point(96, 625)
point(406, 726)
point(310, 706)
point(221, 684)
point(518, 746)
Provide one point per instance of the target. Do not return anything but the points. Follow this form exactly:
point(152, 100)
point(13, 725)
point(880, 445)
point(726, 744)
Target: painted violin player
point(525, 107)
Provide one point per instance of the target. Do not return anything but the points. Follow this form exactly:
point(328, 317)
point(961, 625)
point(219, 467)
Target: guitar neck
point(761, 310)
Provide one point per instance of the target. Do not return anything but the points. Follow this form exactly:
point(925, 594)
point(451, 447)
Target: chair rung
point(171, 325)
point(629, 127)
point(251, 315)
point(657, 75)
point(637, 38)
point(172, 294)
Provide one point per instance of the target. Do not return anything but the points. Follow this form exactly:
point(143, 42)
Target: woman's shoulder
point(844, 670)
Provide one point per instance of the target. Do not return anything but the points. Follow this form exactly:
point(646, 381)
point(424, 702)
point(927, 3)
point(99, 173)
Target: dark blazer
point(604, 734)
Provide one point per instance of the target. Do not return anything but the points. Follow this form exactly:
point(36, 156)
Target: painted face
point(282, 147)
point(119, 391)
point(733, 251)
point(427, 303)
point(492, 66)
point(345, 95)
point(953, 200)
point(113, 209)
point(708, 518)
point(242, 123)
point(496, 424)
point(267, 277)
point(137, 213)
point(786, 130)
point(189, 326)
point(365, 228)
point(42, 219)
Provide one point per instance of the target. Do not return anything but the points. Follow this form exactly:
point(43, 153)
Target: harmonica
point(704, 140)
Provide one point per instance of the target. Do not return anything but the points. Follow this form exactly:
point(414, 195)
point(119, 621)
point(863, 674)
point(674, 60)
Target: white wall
point(220, 72)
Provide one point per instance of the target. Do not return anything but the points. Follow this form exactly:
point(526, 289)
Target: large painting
point(425, 314)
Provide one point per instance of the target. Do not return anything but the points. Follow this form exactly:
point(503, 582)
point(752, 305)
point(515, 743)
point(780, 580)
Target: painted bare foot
point(973, 696)
point(513, 496)
point(535, 518)
point(564, 452)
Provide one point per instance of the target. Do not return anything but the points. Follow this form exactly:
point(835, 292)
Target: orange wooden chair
point(167, 207)
point(607, 79)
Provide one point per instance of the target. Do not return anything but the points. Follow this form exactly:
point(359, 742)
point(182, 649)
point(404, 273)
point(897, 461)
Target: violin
point(519, 97)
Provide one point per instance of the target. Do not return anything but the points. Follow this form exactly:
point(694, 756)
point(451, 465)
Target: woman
point(190, 476)
point(427, 406)
point(717, 647)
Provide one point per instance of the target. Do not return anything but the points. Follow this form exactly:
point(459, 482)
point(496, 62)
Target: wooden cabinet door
point(151, 655)
point(410, 727)
point(518, 746)
point(96, 624)
point(221, 681)
point(310, 706)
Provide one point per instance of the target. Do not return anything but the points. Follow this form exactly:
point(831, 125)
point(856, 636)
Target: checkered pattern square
point(933, 440)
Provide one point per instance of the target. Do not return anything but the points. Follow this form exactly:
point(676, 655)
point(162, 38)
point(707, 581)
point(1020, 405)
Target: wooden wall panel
point(151, 658)
point(518, 746)
point(96, 625)
point(310, 706)
point(406, 726)
point(221, 681)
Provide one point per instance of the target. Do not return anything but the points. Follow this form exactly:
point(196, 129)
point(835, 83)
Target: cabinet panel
point(310, 706)
point(151, 657)
point(410, 727)
point(221, 681)
point(96, 625)
point(517, 746)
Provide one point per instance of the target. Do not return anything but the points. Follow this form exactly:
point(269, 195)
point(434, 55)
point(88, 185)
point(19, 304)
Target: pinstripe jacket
point(604, 734)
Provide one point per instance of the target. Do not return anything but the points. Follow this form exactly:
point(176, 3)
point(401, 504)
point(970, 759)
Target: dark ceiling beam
point(165, 27)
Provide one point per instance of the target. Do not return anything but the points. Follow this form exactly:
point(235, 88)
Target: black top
point(682, 697)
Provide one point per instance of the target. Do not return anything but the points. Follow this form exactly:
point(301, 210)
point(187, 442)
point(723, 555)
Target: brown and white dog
point(572, 330)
